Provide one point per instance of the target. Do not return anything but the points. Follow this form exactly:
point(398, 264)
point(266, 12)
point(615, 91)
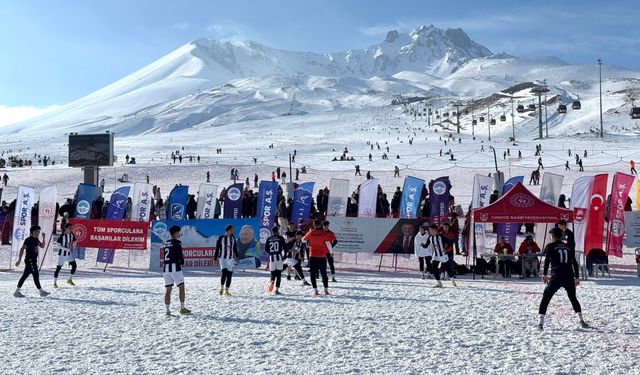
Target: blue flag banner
point(85, 196)
point(233, 202)
point(439, 194)
point(116, 211)
point(410, 200)
point(178, 203)
point(510, 231)
point(267, 205)
point(84, 200)
point(302, 202)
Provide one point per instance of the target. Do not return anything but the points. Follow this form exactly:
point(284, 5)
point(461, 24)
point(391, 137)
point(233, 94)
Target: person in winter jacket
point(423, 253)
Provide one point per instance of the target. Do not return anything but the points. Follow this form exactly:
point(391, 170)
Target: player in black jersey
point(296, 250)
point(274, 246)
point(65, 244)
point(289, 237)
point(31, 245)
point(172, 269)
point(564, 274)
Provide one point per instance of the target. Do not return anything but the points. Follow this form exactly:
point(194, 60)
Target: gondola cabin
point(562, 108)
point(576, 104)
point(492, 121)
point(520, 108)
point(446, 114)
point(532, 107)
point(474, 122)
point(635, 113)
point(503, 118)
point(481, 118)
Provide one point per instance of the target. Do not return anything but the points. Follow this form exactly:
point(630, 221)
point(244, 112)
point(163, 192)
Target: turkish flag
point(595, 221)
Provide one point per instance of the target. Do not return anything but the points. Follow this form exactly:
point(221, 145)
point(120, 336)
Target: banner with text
point(410, 201)
point(439, 194)
point(199, 238)
point(115, 211)
point(21, 219)
point(178, 202)
point(47, 221)
point(480, 198)
point(141, 200)
point(206, 201)
point(302, 198)
point(113, 234)
point(510, 230)
point(368, 198)
point(619, 193)
point(267, 206)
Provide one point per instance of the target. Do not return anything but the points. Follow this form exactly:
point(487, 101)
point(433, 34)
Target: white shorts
point(227, 263)
point(274, 266)
point(291, 262)
point(173, 278)
point(65, 258)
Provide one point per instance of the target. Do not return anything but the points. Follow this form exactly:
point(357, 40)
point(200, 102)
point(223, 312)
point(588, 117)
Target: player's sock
point(168, 309)
point(579, 316)
point(541, 319)
point(182, 305)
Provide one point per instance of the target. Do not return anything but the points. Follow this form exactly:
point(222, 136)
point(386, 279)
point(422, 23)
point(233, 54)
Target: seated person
point(531, 264)
point(596, 256)
point(507, 262)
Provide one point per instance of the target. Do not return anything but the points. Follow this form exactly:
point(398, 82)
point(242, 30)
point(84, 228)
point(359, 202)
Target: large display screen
point(90, 150)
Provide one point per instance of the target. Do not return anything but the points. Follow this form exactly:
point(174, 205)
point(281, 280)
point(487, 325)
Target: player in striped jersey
point(226, 255)
point(65, 244)
point(295, 255)
point(435, 245)
point(274, 246)
point(172, 270)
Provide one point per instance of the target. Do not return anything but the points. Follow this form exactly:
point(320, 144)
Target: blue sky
point(52, 52)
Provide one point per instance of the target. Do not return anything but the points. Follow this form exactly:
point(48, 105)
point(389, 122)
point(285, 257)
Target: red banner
point(597, 207)
point(619, 194)
point(111, 234)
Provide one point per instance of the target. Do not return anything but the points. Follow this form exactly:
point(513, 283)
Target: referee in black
point(564, 274)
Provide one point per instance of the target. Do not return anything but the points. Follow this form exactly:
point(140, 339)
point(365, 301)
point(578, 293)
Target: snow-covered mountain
point(211, 83)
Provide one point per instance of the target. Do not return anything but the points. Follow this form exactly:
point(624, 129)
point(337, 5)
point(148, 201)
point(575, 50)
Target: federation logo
point(264, 234)
point(439, 188)
point(177, 211)
point(83, 207)
point(484, 217)
point(80, 231)
point(521, 200)
point(20, 234)
point(617, 228)
point(47, 210)
point(579, 215)
point(160, 229)
point(234, 194)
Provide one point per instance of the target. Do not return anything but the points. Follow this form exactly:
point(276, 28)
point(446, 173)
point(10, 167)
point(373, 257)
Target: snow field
point(373, 323)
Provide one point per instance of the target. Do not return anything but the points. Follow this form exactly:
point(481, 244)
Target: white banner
point(206, 201)
point(480, 198)
point(141, 201)
point(580, 199)
point(338, 196)
point(368, 198)
point(632, 228)
point(47, 221)
point(549, 193)
point(370, 235)
point(21, 219)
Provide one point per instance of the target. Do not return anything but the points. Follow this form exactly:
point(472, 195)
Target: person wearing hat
point(423, 252)
point(504, 248)
point(529, 263)
point(564, 274)
point(567, 235)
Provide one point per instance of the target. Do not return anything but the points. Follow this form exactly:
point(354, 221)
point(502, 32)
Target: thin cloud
point(181, 26)
point(12, 115)
point(230, 31)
